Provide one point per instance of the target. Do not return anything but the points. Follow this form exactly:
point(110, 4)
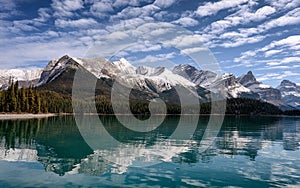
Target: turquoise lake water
point(245, 152)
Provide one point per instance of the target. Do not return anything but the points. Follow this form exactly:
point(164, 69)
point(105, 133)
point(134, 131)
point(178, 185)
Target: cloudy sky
point(258, 35)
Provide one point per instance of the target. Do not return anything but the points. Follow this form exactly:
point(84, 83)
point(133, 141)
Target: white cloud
point(290, 18)
point(120, 3)
point(65, 8)
point(277, 76)
point(83, 22)
point(276, 67)
point(24, 25)
point(286, 43)
point(284, 4)
point(290, 41)
point(26, 53)
point(101, 8)
point(133, 3)
point(291, 60)
point(134, 12)
point(7, 5)
point(232, 35)
point(213, 8)
point(128, 24)
point(273, 63)
point(186, 22)
point(151, 59)
point(244, 56)
point(144, 47)
point(156, 60)
point(263, 12)
point(164, 3)
point(243, 16)
point(188, 51)
point(44, 14)
point(185, 41)
point(272, 52)
point(242, 41)
point(8, 9)
point(167, 56)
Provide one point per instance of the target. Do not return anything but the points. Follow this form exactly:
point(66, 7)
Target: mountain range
point(149, 82)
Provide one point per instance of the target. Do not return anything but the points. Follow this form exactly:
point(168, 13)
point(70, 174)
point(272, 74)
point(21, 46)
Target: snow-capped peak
point(288, 83)
point(247, 79)
point(290, 93)
point(21, 74)
point(26, 76)
point(124, 66)
point(161, 78)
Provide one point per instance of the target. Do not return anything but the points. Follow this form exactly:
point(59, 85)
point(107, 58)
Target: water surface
point(247, 152)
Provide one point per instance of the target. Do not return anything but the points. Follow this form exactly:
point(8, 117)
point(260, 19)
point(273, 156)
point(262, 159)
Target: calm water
point(247, 152)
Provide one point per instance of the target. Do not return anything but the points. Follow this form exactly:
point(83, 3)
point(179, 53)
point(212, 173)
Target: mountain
point(58, 66)
point(265, 92)
point(214, 82)
point(25, 77)
point(147, 83)
point(290, 93)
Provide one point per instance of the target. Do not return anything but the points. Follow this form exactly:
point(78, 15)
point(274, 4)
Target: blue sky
point(258, 35)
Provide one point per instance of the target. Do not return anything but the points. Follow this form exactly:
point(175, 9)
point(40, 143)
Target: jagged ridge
point(159, 81)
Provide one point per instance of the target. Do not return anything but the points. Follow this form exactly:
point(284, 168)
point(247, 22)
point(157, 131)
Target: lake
point(54, 151)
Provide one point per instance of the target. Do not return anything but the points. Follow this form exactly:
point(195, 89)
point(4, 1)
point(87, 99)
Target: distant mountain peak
point(249, 77)
point(250, 73)
point(187, 69)
point(160, 80)
point(26, 77)
point(53, 69)
point(290, 93)
point(124, 66)
point(287, 83)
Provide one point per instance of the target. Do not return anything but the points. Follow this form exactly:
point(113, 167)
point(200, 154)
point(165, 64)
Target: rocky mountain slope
point(213, 82)
point(154, 82)
point(290, 93)
point(265, 92)
point(150, 82)
point(25, 77)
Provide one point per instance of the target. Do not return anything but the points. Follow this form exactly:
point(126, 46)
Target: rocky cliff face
point(265, 92)
point(25, 77)
point(290, 93)
point(159, 81)
point(213, 82)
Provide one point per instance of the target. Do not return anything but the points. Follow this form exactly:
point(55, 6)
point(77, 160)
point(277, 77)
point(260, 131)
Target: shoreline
point(25, 116)
point(12, 116)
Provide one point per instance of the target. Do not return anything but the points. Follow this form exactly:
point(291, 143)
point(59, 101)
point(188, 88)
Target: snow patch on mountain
point(19, 74)
point(22, 75)
point(290, 93)
point(124, 66)
point(225, 83)
point(265, 92)
point(56, 67)
point(159, 78)
point(153, 79)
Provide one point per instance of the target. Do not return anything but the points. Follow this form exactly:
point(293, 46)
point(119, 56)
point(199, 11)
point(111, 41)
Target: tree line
point(16, 100)
point(37, 100)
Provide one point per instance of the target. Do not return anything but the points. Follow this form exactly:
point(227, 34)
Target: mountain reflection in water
point(57, 144)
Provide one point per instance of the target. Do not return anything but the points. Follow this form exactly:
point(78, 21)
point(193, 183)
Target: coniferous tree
point(37, 103)
point(31, 100)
